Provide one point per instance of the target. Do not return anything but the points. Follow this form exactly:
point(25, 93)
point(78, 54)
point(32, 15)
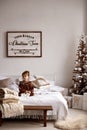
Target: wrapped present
point(85, 101)
point(77, 101)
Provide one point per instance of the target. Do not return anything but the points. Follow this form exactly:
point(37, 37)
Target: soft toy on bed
point(26, 86)
point(40, 81)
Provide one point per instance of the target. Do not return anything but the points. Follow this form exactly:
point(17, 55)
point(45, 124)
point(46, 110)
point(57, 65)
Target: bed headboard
point(50, 77)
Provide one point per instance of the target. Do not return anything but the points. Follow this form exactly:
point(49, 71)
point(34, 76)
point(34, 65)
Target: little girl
point(26, 86)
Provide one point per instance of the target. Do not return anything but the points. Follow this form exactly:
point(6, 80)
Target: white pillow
point(51, 82)
point(56, 89)
point(9, 83)
point(3, 77)
point(41, 81)
point(14, 87)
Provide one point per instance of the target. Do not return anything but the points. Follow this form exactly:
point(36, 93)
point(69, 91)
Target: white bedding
point(46, 95)
point(43, 97)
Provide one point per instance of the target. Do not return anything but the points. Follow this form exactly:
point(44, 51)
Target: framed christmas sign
point(24, 43)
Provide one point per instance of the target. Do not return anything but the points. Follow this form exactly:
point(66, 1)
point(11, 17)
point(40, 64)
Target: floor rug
point(72, 123)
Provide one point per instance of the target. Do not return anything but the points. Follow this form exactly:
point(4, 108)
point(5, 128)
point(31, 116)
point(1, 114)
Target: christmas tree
point(80, 71)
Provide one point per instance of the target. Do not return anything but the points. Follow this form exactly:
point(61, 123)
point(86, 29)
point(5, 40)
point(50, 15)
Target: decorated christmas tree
point(80, 71)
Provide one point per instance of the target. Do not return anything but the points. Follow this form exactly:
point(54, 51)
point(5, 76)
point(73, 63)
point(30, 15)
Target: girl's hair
point(25, 72)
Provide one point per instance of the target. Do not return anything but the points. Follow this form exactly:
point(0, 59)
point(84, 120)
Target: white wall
point(85, 17)
point(61, 23)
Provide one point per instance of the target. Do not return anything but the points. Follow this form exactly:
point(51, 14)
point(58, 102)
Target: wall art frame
point(24, 43)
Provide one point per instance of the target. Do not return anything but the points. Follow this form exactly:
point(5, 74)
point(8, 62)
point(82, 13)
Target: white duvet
point(44, 97)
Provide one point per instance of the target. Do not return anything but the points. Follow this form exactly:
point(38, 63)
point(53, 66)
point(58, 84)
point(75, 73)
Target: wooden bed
point(43, 108)
point(43, 93)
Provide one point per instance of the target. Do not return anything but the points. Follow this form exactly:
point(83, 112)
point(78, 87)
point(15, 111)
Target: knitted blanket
point(7, 91)
point(9, 100)
point(10, 105)
point(11, 109)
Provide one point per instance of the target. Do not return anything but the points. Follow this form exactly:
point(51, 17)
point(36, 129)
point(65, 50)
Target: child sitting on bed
point(26, 86)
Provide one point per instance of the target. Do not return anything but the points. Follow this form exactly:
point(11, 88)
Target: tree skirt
point(71, 123)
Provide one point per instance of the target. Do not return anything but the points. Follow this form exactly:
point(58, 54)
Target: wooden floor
point(35, 125)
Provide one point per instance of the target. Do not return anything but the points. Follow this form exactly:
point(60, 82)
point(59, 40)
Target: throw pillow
point(40, 81)
point(5, 83)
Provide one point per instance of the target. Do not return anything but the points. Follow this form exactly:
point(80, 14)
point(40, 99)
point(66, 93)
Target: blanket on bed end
point(10, 105)
point(11, 109)
point(7, 91)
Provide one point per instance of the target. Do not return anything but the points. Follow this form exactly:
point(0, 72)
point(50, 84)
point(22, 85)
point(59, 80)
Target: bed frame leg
point(45, 115)
point(0, 118)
